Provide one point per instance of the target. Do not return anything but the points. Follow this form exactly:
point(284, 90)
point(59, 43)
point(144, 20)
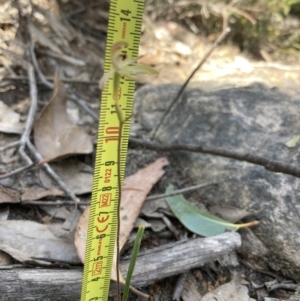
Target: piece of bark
point(158, 263)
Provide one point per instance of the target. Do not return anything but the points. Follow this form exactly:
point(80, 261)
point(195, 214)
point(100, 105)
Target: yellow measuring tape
point(125, 21)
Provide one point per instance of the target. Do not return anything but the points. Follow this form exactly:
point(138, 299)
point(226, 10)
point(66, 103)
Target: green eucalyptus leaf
point(196, 220)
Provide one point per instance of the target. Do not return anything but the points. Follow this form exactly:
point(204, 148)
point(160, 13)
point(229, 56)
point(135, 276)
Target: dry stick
point(288, 286)
point(74, 97)
point(178, 191)
point(31, 147)
point(181, 279)
point(32, 111)
point(151, 265)
point(52, 173)
point(149, 198)
point(51, 79)
point(81, 103)
point(29, 123)
point(270, 165)
point(18, 170)
point(208, 53)
point(25, 139)
point(8, 146)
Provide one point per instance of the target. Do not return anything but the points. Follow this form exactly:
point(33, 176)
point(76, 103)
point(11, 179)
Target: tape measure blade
point(125, 21)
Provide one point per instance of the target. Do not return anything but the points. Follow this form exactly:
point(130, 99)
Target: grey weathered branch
point(158, 263)
point(268, 164)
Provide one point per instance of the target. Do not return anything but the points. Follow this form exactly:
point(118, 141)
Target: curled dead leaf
point(54, 134)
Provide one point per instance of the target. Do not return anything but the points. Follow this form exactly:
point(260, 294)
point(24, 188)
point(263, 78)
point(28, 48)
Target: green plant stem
point(122, 121)
point(133, 258)
point(121, 124)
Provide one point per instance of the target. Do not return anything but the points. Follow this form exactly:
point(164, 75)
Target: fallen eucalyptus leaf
point(54, 134)
point(198, 221)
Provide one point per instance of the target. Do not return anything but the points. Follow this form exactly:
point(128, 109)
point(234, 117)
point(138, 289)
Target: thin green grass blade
point(133, 258)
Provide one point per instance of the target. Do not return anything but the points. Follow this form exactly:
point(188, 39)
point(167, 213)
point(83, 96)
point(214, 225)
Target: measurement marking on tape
point(125, 20)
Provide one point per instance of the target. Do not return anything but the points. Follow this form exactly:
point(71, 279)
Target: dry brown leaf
point(54, 134)
point(136, 188)
point(81, 233)
point(33, 194)
point(8, 195)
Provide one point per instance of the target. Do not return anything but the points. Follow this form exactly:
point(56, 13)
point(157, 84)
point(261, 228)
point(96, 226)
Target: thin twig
point(181, 280)
point(52, 173)
point(81, 103)
point(8, 146)
point(29, 122)
point(149, 198)
point(204, 59)
point(25, 138)
point(51, 79)
point(179, 191)
point(288, 286)
point(32, 111)
point(19, 170)
point(73, 96)
point(171, 227)
point(268, 164)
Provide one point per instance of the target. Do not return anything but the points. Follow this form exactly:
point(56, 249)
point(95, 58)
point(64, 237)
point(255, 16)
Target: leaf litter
point(135, 190)
point(81, 180)
point(233, 291)
point(31, 242)
point(55, 135)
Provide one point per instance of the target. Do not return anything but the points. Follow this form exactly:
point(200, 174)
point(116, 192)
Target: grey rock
point(255, 120)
